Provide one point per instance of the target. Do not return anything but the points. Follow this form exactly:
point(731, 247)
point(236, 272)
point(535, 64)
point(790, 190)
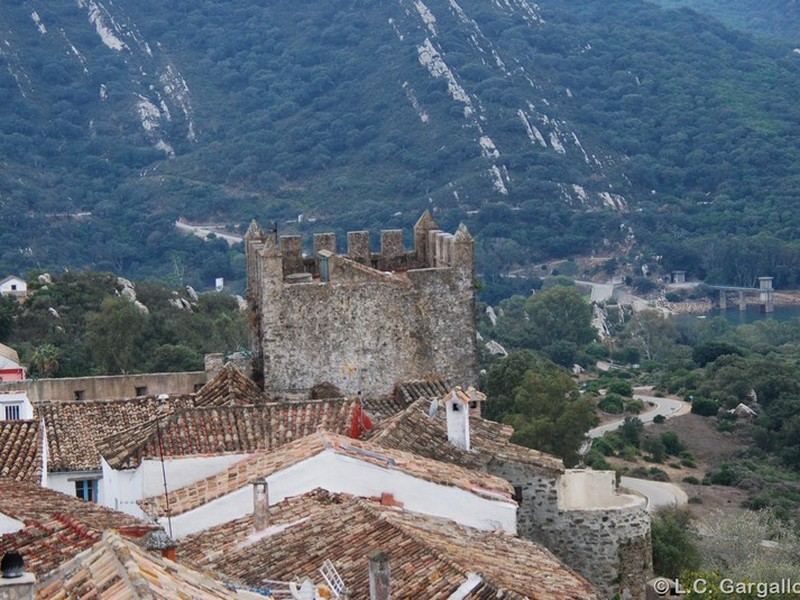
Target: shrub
point(596, 460)
point(657, 474)
point(691, 479)
point(631, 430)
point(705, 407)
point(634, 406)
point(724, 475)
point(695, 499)
point(658, 419)
point(654, 447)
point(603, 447)
point(623, 388)
point(611, 403)
point(688, 462)
point(672, 443)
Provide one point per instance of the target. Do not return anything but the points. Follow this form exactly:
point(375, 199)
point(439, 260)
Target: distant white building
point(13, 286)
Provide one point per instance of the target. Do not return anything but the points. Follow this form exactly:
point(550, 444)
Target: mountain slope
point(550, 129)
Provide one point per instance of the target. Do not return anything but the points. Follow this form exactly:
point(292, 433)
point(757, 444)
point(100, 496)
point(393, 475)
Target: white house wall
point(124, 488)
point(121, 489)
point(65, 482)
point(337, 473)
point(182, 472)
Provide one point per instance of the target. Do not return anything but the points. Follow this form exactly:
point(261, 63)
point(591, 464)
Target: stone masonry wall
point(362, 321)
point(610, 547)
point(366, 335)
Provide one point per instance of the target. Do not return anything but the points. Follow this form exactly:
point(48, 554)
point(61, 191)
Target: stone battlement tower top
point(361, 320)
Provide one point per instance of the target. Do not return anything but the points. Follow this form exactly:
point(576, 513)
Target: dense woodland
point(83, 323)
point(306, 109)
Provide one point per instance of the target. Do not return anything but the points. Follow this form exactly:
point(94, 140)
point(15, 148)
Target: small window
point(86, 489)
point(518, 494)
point(455, 407)
point(79, 394)
point(12, 412)
point(13, 287)
point(141, 390)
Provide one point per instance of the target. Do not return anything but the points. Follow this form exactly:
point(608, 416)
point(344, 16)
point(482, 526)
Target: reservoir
point(745, 317)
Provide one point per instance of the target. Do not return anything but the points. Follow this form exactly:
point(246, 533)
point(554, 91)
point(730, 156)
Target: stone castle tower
point(361, 320)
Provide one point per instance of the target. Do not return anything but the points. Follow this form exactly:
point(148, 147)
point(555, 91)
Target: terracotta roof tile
point(429, 557)
point(230, 386)
point(413, 430)
point(263, 464)
point(225, 429)
point(411, 391)
point(73, 428)
point(57, 526)
point(117, 568)
point(21, 456)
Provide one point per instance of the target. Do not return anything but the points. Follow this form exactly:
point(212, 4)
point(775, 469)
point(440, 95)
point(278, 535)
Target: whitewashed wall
point(337, 473)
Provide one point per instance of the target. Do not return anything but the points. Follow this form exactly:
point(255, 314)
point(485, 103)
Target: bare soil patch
point(709, 446)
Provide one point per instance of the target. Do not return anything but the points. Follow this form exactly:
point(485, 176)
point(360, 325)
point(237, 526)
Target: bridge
point(764, 291)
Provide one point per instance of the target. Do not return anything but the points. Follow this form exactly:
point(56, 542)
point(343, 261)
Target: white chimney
point(260, 504)
point(457, 419)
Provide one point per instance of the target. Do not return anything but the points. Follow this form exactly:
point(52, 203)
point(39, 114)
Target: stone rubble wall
point(610, 547)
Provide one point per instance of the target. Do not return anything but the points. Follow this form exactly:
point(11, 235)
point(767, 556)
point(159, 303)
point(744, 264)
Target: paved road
point(663, 406)
point(202, 232)
point(659, 493)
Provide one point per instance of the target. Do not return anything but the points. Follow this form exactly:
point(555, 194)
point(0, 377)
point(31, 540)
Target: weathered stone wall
point(362, 334)
point(364, 328)
point(609, 546)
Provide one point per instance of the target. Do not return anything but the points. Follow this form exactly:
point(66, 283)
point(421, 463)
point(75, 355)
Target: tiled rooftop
point(429, 557)
point(115, 568)
point(264, 464)
point(230, 386)
point(413, 430)
point(226, 429)
point(57, 526)
point(411, 391)
point(21, 450)
point(73, 428)
point(229, 414)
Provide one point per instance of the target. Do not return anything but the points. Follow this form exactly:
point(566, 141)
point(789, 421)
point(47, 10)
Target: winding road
point(658, 493)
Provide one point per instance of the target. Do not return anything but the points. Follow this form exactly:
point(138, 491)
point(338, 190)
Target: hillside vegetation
point(552, 130)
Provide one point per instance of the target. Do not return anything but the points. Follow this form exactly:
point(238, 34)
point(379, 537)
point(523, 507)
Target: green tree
point(652, 333)
point(115, 334)
point(45, 360)
point(550, 415)
point(559, 314)
point(9, 309)
point(672, 534)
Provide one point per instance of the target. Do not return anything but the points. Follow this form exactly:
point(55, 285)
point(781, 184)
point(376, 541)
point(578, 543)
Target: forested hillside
point(555, 129)
point(774, 18)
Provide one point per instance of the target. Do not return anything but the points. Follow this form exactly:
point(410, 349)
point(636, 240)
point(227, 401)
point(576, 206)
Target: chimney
point(457, 408)
point(16, 584)
point(379, 576)
point(159, 540)
point(260, 504)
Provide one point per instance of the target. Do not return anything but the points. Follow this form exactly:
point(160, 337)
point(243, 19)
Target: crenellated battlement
point(432, 248)
point(358, 318)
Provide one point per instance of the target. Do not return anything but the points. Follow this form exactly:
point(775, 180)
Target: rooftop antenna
point(164, 473)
